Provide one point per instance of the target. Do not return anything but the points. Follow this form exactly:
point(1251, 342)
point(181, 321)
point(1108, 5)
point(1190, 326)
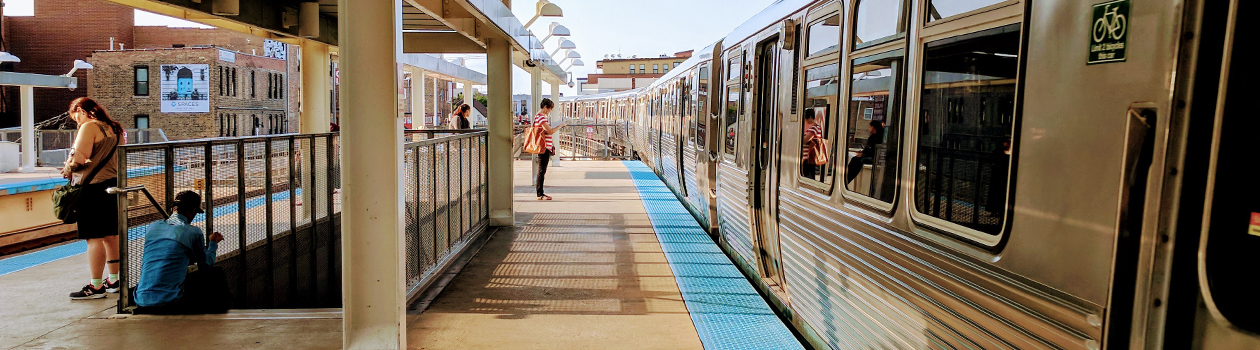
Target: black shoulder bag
point(66, 198)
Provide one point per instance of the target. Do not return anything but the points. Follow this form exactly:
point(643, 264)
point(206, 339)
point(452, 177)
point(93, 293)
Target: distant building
point(57, 34)
point(620, 74)
point(60, 32)
point(193, 93)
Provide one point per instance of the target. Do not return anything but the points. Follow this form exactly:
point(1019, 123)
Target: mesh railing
point(275, 199)
point(446, 193)
point(584, 142)
point(964, 187)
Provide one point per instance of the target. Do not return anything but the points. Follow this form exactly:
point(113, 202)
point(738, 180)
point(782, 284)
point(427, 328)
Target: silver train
point(991, 182)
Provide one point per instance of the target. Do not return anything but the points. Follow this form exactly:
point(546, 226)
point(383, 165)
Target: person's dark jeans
point(205, 292)
point(543, 159)
point(809, 170)
point(855, 168)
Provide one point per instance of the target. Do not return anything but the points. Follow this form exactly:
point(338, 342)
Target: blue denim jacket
point(169, 247)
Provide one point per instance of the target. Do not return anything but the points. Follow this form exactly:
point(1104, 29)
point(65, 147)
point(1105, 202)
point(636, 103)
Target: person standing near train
point(459, 119)
point(541, 121)
point(91, 164)
point(811, 134)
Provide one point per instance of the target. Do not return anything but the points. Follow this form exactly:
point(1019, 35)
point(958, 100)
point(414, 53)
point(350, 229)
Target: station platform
point(613, 262)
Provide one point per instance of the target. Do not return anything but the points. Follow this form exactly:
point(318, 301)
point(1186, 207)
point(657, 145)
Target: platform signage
point(1254, 229)
point(1109, 32)
point(185, 88)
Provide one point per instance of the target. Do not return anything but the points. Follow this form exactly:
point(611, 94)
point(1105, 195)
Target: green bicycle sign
point(1109, 32)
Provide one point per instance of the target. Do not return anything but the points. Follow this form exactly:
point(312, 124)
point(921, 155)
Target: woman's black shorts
point(97, 211)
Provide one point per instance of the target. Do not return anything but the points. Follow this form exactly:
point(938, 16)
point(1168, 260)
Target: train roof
point(772, 15)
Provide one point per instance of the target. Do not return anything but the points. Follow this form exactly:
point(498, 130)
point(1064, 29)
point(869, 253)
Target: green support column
point(499, 78)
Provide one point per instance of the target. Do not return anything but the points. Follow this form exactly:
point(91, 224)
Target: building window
point(642, 69)
point(253, 85)
point(656, 69)
point(221, 76)
point(142, 121)
point(142, 81)
point(676, 64)
point(632, 69)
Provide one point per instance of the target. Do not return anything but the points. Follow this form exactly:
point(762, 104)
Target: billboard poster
point(185, 88)
point(275, 49)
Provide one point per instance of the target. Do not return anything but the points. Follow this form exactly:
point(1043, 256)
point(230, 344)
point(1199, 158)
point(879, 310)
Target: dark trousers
point(809, 170)
point(543, 159)
point(855, 168)
point(205, 292)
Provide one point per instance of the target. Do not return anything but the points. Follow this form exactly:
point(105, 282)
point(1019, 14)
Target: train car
point(991, 182)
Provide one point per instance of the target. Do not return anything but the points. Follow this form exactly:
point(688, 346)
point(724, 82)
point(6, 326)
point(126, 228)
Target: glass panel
point(732, 68)
point(824, 36)
point(965, 126)
point(821, 91)
point(878, 19)
point(873, 126)
point(938, 9)
point(732, 115)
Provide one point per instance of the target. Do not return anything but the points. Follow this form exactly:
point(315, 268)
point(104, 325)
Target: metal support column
point(373, 282)
point(316, 116)
point(499, 141)
point(28, 128)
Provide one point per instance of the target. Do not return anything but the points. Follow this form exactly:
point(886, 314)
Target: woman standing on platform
point(459, 119)
point(91, 164)
point(545, 157)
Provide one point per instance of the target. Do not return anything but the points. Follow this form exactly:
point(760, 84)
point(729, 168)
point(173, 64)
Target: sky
point(647, 28)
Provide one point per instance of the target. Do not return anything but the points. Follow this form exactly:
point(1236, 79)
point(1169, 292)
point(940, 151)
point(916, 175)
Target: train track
point(36, 237)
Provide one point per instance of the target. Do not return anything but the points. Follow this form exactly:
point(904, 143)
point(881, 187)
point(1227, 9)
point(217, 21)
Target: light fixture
point(308, 20)
point(8, 57)
point(556, 30)
point(576, 62)
point(79, 64)
point(573, 54)
point(545, 9)
point(565, 44)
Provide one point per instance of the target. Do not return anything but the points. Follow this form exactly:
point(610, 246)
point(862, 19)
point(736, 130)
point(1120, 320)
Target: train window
point(873, 126)
point(964, 160)
point(938, 9)
point(824, 36)
point(821, 90)
point(732, 68)
point(878, 21)
point(732, 115)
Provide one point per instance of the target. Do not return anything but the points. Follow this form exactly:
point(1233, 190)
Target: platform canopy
point(428, 26)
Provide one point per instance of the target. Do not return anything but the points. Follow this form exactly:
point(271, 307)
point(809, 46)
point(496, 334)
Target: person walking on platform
point(459, 119)
point(91, 164)
point(545, 157)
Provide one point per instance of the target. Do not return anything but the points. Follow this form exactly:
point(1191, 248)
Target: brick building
point(244, 94)
point(60, 32)
point(620, 74)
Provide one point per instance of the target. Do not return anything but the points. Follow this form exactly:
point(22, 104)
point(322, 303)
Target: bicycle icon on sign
point(1111, 24)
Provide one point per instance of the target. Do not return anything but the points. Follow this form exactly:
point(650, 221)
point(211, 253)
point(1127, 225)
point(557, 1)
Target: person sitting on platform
point(168, 285)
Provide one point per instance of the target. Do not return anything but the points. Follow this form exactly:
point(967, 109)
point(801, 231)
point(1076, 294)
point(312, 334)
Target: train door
point(764, 158)
point(680, 135)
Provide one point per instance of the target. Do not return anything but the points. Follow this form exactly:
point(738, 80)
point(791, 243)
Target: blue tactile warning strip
point(44, 256)
point(727, 311)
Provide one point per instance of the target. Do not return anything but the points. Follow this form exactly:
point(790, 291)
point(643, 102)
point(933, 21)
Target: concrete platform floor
point(583, 271)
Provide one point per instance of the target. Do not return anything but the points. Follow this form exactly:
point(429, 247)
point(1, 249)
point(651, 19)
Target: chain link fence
point(446, 202)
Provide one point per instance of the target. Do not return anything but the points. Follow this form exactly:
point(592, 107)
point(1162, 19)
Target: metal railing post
point(332, 227)
point(124, 252)
point(243, 277)
point(293, 219)
point(271, 268)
